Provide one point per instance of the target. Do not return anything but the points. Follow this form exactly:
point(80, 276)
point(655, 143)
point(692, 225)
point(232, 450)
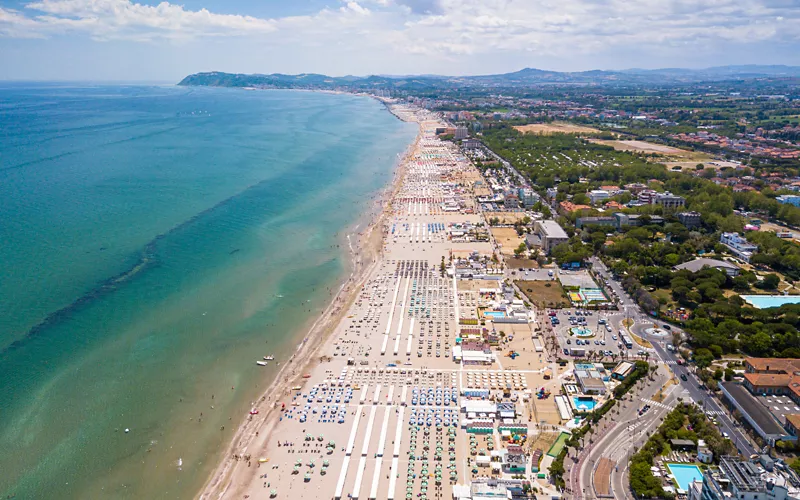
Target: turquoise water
point(588, 403)
point(494, 314)
point(685, 474)
point(581, 332)
point(155, 242)
point(767, 301)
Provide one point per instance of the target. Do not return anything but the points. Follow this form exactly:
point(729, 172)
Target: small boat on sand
point(261, 363)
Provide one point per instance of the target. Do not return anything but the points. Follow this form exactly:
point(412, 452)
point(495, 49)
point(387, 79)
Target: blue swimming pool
point(584, 403)
point(767, 301)
point(495, 314)
point(685, 474)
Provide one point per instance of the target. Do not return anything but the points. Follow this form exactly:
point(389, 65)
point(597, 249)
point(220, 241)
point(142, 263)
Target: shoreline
point(365, 254)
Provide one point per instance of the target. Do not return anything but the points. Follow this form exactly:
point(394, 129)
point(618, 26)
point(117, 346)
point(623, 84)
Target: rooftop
point(757, 412)
point(551, 229)
point(698, 264)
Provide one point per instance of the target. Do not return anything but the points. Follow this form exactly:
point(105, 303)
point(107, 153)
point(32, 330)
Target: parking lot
point(779, 406)
point(604, 327)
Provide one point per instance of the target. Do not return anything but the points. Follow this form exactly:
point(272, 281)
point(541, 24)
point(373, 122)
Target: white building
point(598, 195)
point(550, 233)
point(738, 246)
point(740, 479)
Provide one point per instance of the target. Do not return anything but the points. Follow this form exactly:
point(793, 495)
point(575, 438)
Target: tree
point(770, 282)
point(703, 358)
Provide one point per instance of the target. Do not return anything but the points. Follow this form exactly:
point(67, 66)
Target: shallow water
point(155, 242)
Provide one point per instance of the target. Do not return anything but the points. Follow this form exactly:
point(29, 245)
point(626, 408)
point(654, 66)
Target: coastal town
point(501, 342)
point(400, 250)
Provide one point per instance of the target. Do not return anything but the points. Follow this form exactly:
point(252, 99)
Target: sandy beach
point(371, 404)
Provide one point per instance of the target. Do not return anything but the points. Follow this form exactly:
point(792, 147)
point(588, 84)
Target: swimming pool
point(494, 314)
point(584, 403)
point(685, 474)
point(767, 301)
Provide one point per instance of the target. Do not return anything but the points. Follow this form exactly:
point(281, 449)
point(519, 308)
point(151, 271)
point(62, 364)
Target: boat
point(261, 363)
point(269, 358)
point(254, 411)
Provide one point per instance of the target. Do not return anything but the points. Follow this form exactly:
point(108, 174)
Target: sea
point(155, 242)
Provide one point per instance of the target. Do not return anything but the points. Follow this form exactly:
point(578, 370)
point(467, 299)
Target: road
point(620, 431)
point(628, 432)
point(692, 387)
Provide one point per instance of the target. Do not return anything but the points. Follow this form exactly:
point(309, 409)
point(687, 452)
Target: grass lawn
point(539, 293)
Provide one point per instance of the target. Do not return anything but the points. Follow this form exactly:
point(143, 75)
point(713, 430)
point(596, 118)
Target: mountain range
point(521, 78)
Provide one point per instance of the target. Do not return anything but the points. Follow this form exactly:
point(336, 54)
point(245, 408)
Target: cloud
point(438, 30)
point(112, 19)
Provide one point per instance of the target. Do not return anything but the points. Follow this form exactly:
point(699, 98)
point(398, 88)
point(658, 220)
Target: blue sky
point(131, 40)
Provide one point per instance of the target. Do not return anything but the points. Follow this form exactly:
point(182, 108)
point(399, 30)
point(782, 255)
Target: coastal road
point(694, 388)
point(617, 434)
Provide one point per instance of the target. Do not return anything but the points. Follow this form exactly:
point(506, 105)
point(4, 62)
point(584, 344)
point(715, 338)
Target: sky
point(140, 40)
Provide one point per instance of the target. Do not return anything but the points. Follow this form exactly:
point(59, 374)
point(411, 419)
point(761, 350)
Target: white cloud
point(438, 30)
point(109, 19)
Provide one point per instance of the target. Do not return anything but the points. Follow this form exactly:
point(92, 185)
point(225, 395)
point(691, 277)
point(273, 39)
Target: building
point(551, 234)
point(478, 408)
point(669, 201)
point(582, 222)
point(489, 490)
point(635, 220)
point(647, 196)
point(461, 133)
point(514, 460)
point(635, 188)
point(793, 424)
point(598, 195)
point(701, 263)
point(590, 382)
point(567, 207)
point(757, 414)
point(738, 246)
point(690, 219)
point(790, 199)
point(528, 197)
point(471, 144)
point(773, 376)
point(622, 370)
point(736, 479)
point(704, 454)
